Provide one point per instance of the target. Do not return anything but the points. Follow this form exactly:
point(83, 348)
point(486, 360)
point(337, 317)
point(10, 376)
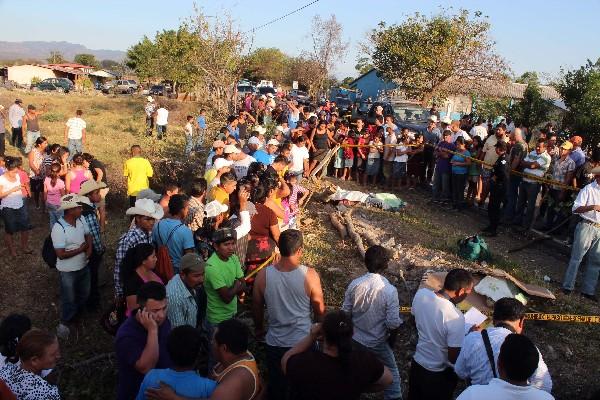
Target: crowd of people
point(230, 235)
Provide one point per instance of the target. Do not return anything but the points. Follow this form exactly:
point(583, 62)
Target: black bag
point(48, 252)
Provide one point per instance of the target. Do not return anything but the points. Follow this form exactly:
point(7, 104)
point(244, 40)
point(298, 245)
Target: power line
point(283, 16)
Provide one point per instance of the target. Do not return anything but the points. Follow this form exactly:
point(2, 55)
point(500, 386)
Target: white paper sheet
point(473, 317)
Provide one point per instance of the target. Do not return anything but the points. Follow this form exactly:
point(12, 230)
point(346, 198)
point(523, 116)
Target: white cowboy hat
point(149, 194)
point(214, 208)
point(69, 201)
point(446, 120)
point(146, 207)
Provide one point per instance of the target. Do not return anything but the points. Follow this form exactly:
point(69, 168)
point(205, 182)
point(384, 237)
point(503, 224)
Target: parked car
point(266, 90)
point(300, 96)
point(124, 86)
point(61, 85)
point(242, 90)
point(159, 90)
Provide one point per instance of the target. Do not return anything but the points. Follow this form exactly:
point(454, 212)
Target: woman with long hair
point(36, 169)
point(137, 268)
point(13, 208)
point(339, 371)
point(77, 175)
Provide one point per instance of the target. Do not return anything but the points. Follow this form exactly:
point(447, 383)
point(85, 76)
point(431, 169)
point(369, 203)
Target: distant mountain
point(41, 51)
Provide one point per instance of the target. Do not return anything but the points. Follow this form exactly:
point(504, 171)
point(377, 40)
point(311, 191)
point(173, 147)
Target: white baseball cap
point(273, 142)
point(230, 148)
point(214, 208)
point(254, 140)
point(221, 162)
point(433, 118)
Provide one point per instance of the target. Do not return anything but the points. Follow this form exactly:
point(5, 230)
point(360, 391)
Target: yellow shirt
point(217, 193)
point(210, 175)
point(137, 170)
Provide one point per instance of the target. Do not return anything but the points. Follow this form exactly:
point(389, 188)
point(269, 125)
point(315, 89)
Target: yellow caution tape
point(586, 319)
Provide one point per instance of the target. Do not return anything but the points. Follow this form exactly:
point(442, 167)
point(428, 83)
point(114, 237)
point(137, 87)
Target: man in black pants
point(499, 181)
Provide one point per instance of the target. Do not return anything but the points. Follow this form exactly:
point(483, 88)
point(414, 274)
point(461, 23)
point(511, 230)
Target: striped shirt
point(373, 302)
point(130, 239)
point(473, 362)
point(183, 309)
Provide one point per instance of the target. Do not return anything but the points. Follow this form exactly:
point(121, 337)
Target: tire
point(60, 90)
point(130, 91)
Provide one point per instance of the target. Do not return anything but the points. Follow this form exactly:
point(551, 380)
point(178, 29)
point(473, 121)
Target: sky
point(538, 35)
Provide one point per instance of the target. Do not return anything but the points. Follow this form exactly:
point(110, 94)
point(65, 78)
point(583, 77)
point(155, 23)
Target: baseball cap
point(214, 208)
point(566, 145)
point(446, 120)
point(433, 118)
point(223, 235)
point(273, 142)
point(221, 162)
point(218, 143)
point(576, 139)
point(191, 262)
point(254, 140)
point(231, 149)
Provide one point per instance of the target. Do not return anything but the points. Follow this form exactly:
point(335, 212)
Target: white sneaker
point(62, 331)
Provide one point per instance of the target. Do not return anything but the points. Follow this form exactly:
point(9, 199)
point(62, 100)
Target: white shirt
point(460, 133)
point(479, 130)
point(373, 303)
point(15, 115)
point(76, 126)
point(440, 325)
point(162, 116)
point(189, 129)
point(473, 362)
point(241, 166)
point(502, 390)
point(389, 152)
point(403, 157)
point(69, 237)
point(589, 195)
point(15, 199)
point(543, 160)
point(298, 154)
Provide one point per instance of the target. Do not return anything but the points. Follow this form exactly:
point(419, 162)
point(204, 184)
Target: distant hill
point(41, 51)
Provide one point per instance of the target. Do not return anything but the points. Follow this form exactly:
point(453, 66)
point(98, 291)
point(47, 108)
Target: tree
point(580, 90)
point(347, 81)
point(266, 63)
point(86, 59)
point(328, 47)
point(528, 77)
point(306, 71)
point(436, 56)
point(56, 57)
point(363, 65)
point(109, 64)
point(490, 108)
point(532, 110)
point(143, 59)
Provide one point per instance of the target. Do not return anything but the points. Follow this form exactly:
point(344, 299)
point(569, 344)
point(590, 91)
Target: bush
point(53, 117)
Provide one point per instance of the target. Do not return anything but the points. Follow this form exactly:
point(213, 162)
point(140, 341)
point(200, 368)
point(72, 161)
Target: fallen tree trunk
point(333, 216)
point(352, 232)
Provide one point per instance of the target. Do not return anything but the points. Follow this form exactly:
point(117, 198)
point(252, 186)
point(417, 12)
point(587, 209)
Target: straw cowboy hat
point(146, 207)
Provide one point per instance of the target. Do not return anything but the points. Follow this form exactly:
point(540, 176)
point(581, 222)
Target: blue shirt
point(578, 156)
point(201, 122)
point(459, 170)
point(187, 384)
point(235, 132)
point(181, 239)
point(263, 157)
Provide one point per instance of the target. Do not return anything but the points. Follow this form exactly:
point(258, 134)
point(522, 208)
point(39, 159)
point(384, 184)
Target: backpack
point(164, 264)
point(473, 248)
point(48, 252)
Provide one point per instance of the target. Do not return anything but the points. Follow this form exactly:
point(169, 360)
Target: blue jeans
point(210, 332)
point(30, 140)
point(74, 292)
point(586, 242)
point(385, 354)
point(160, 131)
point(75, 146)
point(54, 213)
point(441, 185)
point(200, 139)
point(528, 193)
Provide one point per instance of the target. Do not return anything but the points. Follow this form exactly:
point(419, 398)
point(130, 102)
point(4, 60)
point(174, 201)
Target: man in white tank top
point(290, 290)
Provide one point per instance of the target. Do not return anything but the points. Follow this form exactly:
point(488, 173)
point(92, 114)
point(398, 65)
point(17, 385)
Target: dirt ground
point(424, 236)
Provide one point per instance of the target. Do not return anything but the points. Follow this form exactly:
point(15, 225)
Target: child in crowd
point(189, 135)
point(460, 165)
point(171, 189)
point(338, 164)
point(292, 203)
point(402, 150)
point(374, 158)
point(348, 158)
point(54, 189)
point(474, 171)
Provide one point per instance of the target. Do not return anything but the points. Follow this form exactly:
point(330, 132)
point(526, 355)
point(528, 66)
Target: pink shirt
point(53, 192)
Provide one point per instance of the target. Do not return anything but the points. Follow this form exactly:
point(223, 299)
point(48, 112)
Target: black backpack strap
point(488, 350)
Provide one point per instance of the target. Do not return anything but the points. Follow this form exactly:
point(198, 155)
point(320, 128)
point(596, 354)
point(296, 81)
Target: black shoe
point(591, 297)
point(567, 291)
